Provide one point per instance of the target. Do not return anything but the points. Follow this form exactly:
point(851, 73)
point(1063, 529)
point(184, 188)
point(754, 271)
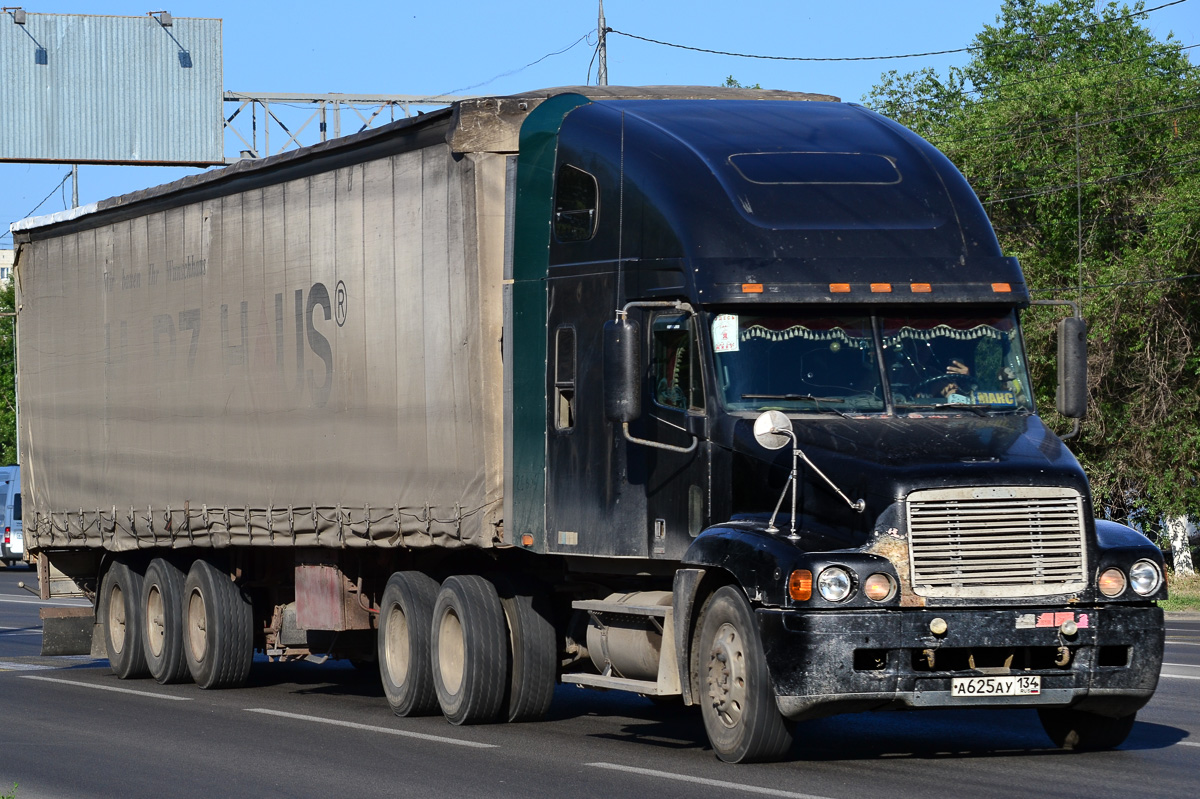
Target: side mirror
point(1072, 368)
point(622, 370)
point(768, 430)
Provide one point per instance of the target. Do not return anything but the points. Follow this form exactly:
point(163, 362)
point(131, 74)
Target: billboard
point(85, 89)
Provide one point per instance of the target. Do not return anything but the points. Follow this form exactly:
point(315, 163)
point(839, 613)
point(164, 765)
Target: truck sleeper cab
point(819, 261)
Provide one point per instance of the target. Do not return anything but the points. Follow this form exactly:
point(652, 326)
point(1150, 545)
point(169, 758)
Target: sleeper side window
point(564, 378)
point(576, 197)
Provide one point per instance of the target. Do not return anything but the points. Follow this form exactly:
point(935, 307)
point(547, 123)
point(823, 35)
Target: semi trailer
point(715, 394)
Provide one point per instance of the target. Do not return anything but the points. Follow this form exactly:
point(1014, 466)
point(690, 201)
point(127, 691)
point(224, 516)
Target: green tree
point(8, 394)
point(733, 83)
point(1080, 132)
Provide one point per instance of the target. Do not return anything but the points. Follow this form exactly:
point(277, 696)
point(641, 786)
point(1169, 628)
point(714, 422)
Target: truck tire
point(162, 622)
point(1083, 731)
point(405, 622)
point(120, 600)
point(533, 648)
point(735, 695)
point(470, 651)
point(218, 640)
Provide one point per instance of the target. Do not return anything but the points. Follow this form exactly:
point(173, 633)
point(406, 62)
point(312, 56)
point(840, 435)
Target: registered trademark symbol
point(340, 303)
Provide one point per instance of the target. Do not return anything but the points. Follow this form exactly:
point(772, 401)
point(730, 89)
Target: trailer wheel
point(405, 621)
point(735, 694)
point(1083, 731)
point(162, 621)
point(533, 648)
point(470, 651)
point(119, 612)
point(218, 641)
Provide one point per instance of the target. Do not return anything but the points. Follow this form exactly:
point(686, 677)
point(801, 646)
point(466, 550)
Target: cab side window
point(576, 200)
point(676, 364)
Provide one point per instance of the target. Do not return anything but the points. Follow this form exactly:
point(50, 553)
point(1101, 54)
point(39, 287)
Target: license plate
point(996, 686)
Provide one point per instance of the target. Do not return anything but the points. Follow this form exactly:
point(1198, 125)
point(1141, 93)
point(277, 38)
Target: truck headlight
point(835, 584)
point(1145, 577)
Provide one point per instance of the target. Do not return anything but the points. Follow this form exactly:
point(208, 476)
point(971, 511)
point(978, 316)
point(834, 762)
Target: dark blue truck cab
point(916, 536)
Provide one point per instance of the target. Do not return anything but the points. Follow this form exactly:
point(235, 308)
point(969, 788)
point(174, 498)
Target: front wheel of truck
point(405, 621)
point(735, 694)
point(218, 637)
point(1083, 731)
point(120, 600)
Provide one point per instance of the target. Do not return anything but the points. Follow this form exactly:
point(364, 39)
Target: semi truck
point(717, 395)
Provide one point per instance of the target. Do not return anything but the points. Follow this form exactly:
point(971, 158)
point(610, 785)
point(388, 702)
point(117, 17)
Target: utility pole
point(602, 30)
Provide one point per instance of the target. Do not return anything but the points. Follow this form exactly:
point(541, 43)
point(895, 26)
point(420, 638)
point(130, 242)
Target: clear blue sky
point(409, 47)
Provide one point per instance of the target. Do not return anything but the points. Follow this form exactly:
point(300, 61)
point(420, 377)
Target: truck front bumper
point(828, 662)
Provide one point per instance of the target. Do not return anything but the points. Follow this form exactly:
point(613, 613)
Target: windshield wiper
point(792, 397)
point(808, 397)
point(978, 410)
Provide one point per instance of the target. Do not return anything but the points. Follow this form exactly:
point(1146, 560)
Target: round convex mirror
point(772, 428)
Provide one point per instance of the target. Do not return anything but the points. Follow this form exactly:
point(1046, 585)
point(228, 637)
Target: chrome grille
point(996, 542)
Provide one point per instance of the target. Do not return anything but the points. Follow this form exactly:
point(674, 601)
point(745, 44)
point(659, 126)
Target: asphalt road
point(71, 729)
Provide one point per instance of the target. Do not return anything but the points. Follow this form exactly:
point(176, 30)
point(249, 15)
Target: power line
point(521, 69)
point(33, 210)
point(1058, 74)
point(1130, 217)
point(972, 48)
point(1039, 126)
point(1125, 284)
point(1098, 182)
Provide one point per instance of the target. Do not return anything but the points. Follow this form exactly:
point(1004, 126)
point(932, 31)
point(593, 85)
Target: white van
point(12, 544)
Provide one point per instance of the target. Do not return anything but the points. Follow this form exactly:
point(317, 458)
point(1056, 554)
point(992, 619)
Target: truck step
point(647, 687)
point(600, 606)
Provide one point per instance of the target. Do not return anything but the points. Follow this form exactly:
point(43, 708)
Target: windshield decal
point(725, 333)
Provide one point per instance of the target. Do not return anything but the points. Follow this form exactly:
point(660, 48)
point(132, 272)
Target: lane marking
point(108, 688)
point(6, 665)
point(17, 599)
point(735, 786)
point(1181, 676)
point(370, 728)
point(1183, 665)
point(1188, 743)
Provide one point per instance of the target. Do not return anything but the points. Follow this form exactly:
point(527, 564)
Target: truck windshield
point(974, 360)
point(828, 364)
point(796, 362)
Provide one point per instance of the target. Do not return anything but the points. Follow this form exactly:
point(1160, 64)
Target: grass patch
point(1184, 593)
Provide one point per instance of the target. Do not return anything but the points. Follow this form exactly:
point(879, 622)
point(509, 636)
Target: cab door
point(676, 479)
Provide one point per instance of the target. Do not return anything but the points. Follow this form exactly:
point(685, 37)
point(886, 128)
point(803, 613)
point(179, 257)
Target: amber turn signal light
point(879, 587)
point(1112, 582)
point(800, 585)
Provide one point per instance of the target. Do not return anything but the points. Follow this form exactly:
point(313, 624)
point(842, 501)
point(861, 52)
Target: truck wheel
point(470, 650)
point(735, 694)
point(405, 621)
point(534, 650)
point(218, 641)
point(119, 600)
point(1083, 731)
point(162, 621)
